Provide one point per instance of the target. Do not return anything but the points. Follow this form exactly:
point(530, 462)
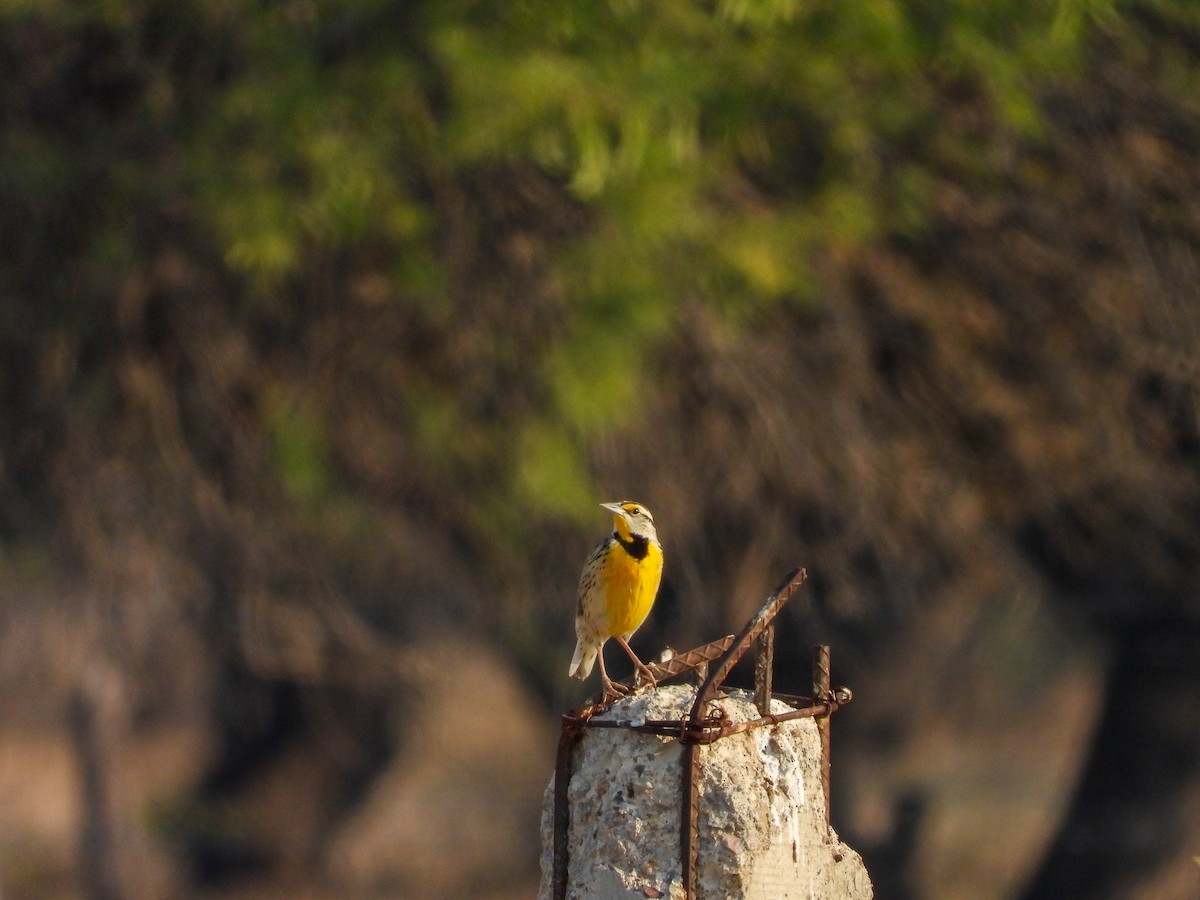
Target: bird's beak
point(614, 508)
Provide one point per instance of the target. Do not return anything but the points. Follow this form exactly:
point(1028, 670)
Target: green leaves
point(715, 151)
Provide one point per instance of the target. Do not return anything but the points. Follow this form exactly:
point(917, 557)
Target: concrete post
point(763, 831)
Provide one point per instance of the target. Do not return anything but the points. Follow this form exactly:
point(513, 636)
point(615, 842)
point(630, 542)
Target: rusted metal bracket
point(703, 725)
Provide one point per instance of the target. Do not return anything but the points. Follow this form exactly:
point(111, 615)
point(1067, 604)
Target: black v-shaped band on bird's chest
point(636, 547)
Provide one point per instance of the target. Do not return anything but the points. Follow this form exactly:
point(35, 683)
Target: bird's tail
point(584, 659)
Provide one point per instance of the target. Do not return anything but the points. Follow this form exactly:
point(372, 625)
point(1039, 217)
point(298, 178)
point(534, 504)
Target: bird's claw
point(612, 691)
point(644, 676)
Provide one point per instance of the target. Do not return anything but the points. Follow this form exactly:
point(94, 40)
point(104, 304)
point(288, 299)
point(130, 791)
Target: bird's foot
point(611, 691)
point(644, 676)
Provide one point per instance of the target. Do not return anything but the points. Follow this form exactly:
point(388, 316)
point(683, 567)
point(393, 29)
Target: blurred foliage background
point(324, 327)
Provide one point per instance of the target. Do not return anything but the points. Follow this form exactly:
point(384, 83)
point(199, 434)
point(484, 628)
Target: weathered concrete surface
point(762, 831)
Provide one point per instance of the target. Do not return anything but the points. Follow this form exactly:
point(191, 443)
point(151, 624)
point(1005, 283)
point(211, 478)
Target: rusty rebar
point(690, 814)
point(822, 693)
point(689, 818)
point(748, 634)
point(716, 726)
point(764, 667)
point(567, 740)
point(690, 659)
point(695, 659)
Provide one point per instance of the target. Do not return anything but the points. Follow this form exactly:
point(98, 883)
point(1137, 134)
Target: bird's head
point(631, 520)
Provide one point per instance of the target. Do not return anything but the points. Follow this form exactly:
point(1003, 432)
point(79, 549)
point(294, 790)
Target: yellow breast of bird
point(630, 586)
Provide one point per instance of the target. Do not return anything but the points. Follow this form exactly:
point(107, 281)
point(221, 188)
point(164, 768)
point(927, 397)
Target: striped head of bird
point(632, 521)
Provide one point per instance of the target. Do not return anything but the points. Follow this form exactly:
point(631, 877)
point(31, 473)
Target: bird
point(616, 590)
